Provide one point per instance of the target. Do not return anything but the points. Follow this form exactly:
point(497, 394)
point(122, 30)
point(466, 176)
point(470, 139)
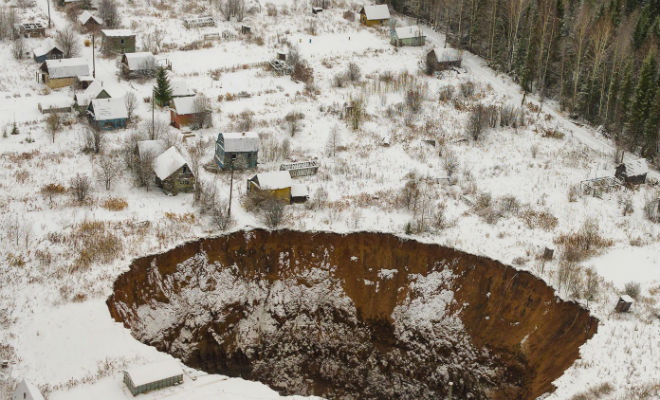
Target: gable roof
point(85, 16)
point(67, 68)
point(107, 109)
point(45, 49)
point(409, 32)
point(93, 90)
point(117, 32)
point(153, 372)
point(168, 163)
point(274, 180)
point(377, 12)
point(140, 60)
point(180, 89)
point(26, 390)
point(184, 105)
point(446, 54)
point(636, 167)
point(240, 142)
point(153, 147)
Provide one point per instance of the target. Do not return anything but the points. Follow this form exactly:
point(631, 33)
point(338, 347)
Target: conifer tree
point(643, 99)
point(652, 125)
point(162, 90)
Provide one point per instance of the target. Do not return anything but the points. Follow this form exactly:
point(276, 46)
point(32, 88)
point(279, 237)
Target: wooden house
point(301, 168)
point(26, 391)
point(89, 22)
point(119, 41)
point(138, 64)
point(624, 303)
point(47, 52)
point(173, 174)
point(632, 172)
point(108, 114)
point(95, 90)
point(198, 22)
point(153, 377)
point(276, 184)
point(63, 72)
point(407, 36)
point(374, 15)
point(185, 112)
point(239, 150)
point(31, 29)
point(443, 59)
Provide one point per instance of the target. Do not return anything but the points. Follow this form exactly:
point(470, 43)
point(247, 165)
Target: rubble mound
point(360, 315)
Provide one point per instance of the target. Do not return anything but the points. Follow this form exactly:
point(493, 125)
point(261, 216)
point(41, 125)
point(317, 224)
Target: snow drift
point(360, 315)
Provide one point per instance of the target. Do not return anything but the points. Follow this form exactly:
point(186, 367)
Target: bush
point(477, 121)
point(510, 116)
point(80, 187)
point(95, 244)
point(353, 72)
point(302, 72)
point(349, 15)
point(339, 80)
point(582, 244)
point(574, 193)
point(114, 204)
point(633, 290)
point(446, 93)
point(271, 10)
point(467, 90)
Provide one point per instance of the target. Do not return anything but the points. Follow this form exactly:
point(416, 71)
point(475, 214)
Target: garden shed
point(153, 377)
point(108, 114)
point(239, 149)
point(187, 111)
point(276, 183)
point(173, 174)
point(138, 64)
point(632, 172)
point(119, 41)
point(63, 72)
point(32, 29)
point(443, 59)
point(89, 21)
point(374, 15)
point(407, 36)
point(47, 52)
point(299, 193)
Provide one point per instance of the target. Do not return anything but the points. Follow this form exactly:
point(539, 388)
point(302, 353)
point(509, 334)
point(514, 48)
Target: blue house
point(237, 149)
point(47, 52)
point(108, 114)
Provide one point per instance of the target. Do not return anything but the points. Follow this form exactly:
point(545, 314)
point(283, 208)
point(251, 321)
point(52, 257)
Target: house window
point(121, 41)
point(184, 169)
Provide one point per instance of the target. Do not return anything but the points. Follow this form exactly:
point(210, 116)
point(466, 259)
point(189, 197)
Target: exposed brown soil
point(503, 336)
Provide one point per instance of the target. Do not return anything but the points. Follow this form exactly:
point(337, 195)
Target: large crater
point(360, 315)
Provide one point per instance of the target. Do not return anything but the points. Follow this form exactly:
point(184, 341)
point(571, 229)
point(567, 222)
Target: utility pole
point(93, 57)
point(153, 126)
point(48, 3)
point(231, 186)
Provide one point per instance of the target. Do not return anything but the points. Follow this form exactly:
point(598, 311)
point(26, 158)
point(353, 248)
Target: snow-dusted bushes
point(584, 243)
point(95, 243)
point(80, 186)
point(633, 289)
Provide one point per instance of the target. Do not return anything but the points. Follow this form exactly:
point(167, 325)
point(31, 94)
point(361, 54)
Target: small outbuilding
point(63, 72)
point(624, 303)
point(138, 64)
point(31, 29)
point(120, 41)
point(189, 111)
point(153, 377)
point(237, 149)
point(632, 172)
point(89, 21)
point(374, 15)
point(276, 184)
point(443, 59)
point(47, 52)
point(173, 174)
point(299, 193)
point(108, 114)
point(26, 391)
point(407, 36)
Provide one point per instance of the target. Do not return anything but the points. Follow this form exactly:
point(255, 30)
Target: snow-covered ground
point(52, 310)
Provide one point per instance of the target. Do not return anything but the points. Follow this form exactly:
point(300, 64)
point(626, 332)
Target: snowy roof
point(237, 142)
point(140, 60)
point(636, 167)
point(107, 109)
point(180, 89)
point(446, 54)
point(274, 180)
point(92, 91)
point(380, 11)
point(26, 390)
point(627, 299)
point(85, 16)
point(184, 105)
point(117, 32)
point(299, 190)
point(45, 49)
point(155, 147)
point(168, 162)
point(409, 32)
point(67, 68)
point(153, 372)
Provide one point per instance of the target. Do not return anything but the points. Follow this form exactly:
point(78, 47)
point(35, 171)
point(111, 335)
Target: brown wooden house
point(89, 22)
point(442, 59)
point(632, 172)
point(173, 174)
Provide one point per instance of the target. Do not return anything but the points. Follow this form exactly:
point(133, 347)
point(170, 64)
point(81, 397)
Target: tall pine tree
point(644, 95)
point(162, 90)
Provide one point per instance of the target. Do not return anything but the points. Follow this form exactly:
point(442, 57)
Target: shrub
point(302, 72)
point(349, 15)
point(52, 189)
point(353, 72)
point(633, 290)
point(95, 244)
point(477, 121)
point(446, 93)
point(114, 204)
point(573, 193)
point(339, 80)
point(467, 90)
point(510, 116)
point(582, 244)
point(271, 10)
point(80, 187)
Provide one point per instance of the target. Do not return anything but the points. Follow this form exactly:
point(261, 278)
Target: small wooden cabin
point(31, 29)
point(443, 59)
point(185, 112)
point(153, 377)
point(119, 41)
point(299, 193)
point(407, 36)
point(374, 15)
point(173, 174)
point(632, 172)
point(277, 184)
point(47, 52)
point(89, 22)
point(140, 64)
point(63, 72)
point(237, 149)
point(108, 114)
point(624, 304)
point(26, 391)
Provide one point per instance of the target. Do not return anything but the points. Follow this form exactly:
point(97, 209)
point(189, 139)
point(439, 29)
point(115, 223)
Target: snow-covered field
point(55, 327)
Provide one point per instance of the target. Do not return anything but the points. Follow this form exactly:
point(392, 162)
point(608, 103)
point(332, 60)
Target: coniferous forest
point(598, 58)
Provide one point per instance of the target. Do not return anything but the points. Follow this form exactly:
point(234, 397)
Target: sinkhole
point(346, 316)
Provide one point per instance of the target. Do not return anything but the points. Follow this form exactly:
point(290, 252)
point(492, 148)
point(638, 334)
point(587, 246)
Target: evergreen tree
point(644, 95)
point(162, 90)
point(623, 103)
point(652, 125)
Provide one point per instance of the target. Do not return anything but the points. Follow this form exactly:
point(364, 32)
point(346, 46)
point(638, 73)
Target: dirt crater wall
point(360, 315)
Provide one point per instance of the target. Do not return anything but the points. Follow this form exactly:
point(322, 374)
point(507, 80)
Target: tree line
point(598, 58)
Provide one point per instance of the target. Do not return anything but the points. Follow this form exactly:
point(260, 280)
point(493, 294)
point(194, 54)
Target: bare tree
point(53, 124)
point(196, 152)
point(232, 8)
point(92, 140)
point(130, 101)
point(355, 113)
point(108, 170)
point(156, 130)
point(68, 42)
point(353, 72)
point(144, 170)
point(245, 121)
point(202, 112)
point(273, 212)
point(109, 13)
point(334, 140)
point(18, 48)
point(80, 186)
point(292, 119)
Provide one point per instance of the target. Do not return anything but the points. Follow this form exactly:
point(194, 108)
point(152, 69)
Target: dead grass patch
point(114, 204)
